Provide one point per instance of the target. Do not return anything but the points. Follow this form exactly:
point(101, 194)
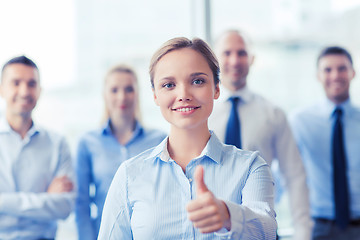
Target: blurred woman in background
point(100, 152)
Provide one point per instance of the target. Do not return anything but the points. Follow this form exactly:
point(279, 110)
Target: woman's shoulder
point(143, 158)
point(92, 134)
point(229, 154)
point(243, 158)
point(91, 139)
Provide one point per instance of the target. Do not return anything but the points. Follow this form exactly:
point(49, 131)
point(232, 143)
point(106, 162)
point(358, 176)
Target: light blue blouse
point(149, 194)
point(99, 155)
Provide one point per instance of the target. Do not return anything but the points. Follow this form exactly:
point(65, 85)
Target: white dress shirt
point(264, 128)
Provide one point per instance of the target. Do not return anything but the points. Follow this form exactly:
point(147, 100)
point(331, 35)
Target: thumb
point(199, 180)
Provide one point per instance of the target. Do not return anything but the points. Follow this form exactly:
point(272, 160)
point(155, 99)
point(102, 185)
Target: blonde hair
point(123, 68)
point(196, 44)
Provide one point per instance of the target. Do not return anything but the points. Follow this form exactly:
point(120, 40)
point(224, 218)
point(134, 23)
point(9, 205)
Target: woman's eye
point(168, 85)
point(198, 81)
point(114, 90)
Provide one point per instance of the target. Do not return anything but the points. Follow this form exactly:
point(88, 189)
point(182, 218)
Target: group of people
point(209, 177)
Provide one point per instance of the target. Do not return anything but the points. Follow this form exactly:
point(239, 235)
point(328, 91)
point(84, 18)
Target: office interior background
point(74, 42)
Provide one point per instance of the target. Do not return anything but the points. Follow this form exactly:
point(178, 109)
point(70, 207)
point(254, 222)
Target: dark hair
point(21, 59)
point(196, 44)
point(334, 50)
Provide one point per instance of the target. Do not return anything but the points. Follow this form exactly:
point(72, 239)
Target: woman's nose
point(184, 94)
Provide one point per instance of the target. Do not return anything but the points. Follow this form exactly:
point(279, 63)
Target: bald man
point(263, 126)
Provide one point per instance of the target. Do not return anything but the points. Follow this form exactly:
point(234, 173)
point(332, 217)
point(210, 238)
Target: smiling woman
point(184, 90)
point(191, 164)
point(75, 42)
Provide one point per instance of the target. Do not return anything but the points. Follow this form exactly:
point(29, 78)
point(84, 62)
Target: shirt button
point(190, 179)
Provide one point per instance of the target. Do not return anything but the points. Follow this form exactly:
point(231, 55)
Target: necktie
point(340, 181)
point(233, 130)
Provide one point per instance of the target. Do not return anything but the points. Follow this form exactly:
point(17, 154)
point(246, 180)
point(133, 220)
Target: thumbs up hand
point(207, 213)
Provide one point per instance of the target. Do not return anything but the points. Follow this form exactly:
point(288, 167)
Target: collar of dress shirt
point(244, 94)
point(212, 150)
point(5, 128)
point(329, 107)
point(106, 130)
point(4, 125)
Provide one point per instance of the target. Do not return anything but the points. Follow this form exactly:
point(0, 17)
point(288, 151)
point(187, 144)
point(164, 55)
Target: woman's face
point(184, 88)
point(120, 95)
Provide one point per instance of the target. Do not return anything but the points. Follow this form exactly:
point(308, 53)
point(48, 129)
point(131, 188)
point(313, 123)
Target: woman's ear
point(217, 91)
point(155, 97)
